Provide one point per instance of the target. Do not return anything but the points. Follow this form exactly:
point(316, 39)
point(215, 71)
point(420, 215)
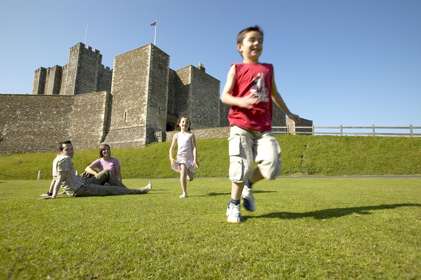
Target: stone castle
point(133, 104)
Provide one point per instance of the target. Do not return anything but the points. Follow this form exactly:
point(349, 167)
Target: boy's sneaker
point(233, 213)
point(248, 198)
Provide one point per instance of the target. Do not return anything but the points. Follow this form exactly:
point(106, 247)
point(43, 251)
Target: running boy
point(250, 90)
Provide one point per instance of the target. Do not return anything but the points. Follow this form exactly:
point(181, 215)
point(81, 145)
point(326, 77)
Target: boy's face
point(67, 150)
point(252, 46)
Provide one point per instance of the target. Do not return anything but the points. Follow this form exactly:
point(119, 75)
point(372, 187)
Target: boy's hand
point(247, 101)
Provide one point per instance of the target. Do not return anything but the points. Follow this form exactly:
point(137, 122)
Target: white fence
point(342, 130)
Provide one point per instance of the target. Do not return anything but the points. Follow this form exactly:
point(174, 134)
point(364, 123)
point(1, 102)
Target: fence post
point(411, 130)
point(374, 130)
point(341, 130)
point(39, 175)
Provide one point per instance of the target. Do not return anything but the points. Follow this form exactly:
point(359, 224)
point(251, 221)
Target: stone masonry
point(134, 104)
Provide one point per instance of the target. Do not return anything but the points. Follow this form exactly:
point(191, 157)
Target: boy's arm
point(50, 189)
point(277, 99)
point(57, 183)
point(227, 98)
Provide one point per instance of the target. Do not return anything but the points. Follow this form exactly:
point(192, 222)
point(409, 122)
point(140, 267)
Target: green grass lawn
point(310, 155)
point(315, 228)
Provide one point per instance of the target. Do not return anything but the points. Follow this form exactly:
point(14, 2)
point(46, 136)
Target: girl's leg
point(183, 180)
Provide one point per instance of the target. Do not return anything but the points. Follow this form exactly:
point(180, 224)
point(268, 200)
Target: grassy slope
point(302, 229)
point(301, 155)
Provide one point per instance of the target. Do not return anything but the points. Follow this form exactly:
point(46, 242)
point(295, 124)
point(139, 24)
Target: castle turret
point(53, 80)
point(82, 70)
point(38, 85)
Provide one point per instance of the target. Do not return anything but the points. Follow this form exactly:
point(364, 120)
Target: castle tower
point(38, 85)
point(53, 80)
point(197, 96)
point(139, 96)
point(81, 73)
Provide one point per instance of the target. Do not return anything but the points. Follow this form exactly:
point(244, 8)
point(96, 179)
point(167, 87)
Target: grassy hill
point(313, 155)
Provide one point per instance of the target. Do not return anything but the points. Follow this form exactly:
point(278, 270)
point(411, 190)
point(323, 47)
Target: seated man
point(76, 186)
point(58, 157)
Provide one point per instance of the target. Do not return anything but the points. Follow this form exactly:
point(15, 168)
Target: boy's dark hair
point(102, 147)
point(61, 144)
point(242, 33)
point(188, 121)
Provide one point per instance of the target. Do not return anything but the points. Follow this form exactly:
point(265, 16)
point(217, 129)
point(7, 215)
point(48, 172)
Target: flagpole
point(154, 37)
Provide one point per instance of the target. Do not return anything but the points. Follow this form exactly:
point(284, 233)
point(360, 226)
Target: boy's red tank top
point(253, 78)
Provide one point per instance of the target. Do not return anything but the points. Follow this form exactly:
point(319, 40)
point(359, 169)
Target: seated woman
point(106, 169)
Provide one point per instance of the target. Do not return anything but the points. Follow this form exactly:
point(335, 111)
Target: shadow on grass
point(228, 193)
point(333, 212)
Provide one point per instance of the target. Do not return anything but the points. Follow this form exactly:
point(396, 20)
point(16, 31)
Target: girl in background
point(186, 160)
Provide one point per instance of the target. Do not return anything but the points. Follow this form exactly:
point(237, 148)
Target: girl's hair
point(242, 33)
point(188, 123)
point(103, 147)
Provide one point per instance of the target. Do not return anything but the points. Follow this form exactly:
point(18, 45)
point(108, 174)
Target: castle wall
point(173, 84)
point(204, 99)
point(105, 75)
point(278, 116)
point(33, 122)
point(64, 78)
point(182, 91)
point(129, 95)
point(177, 99)
point(71, 68)
point(223, 114)
point(89, 119)
point(156, 117)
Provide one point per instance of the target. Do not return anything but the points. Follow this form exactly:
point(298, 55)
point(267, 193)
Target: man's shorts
point(247, 148)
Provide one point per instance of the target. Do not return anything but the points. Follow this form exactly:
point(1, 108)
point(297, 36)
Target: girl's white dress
point(184, 152)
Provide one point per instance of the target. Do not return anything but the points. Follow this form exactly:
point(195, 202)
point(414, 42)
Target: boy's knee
point(240, 154)
point(238, 169)
point(270, 169)
point(268, 157)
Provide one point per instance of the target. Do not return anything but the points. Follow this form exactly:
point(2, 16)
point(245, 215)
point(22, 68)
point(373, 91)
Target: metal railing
point(342, 130)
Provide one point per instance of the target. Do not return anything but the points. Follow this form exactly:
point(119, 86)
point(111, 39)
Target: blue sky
point(352, 62)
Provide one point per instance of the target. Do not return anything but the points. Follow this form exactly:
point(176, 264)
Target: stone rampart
point(33, 122)
point(89, 119)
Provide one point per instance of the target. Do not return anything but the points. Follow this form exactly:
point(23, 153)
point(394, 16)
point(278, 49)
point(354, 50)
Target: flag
point(154, 23)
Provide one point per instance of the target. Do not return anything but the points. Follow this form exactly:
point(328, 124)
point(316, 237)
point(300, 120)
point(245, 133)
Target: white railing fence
point(342, 130)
